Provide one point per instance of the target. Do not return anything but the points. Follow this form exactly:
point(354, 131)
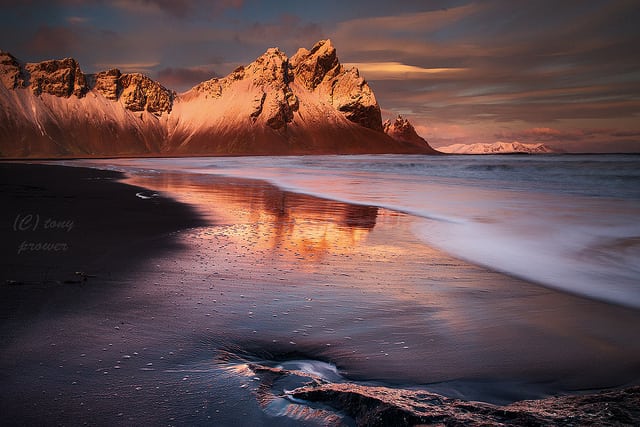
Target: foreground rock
point(313, 391)
point(306, 104)
point(381, 406)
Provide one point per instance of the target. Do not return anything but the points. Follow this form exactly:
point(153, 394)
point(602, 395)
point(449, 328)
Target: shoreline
point(315, 279)
point(55, 204)
point(491, 303)
point(179, 156)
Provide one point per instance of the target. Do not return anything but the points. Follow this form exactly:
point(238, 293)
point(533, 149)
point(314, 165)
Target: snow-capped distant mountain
point(306, 104)
point(497, 148)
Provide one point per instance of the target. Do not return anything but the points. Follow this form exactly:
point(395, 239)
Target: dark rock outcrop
point(140, 93)
point(382, 406)
point(107, 84)
point(312, 392)
point(371, 405)
point(136, 91)
point(354, 98)
point(320, 70)
point(402, 130)
point(57, 77)
point(312, 67)
point(11, 74)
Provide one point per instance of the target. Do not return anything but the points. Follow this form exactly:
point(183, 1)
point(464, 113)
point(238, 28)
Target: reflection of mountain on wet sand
point(290, 224)
point(176, 318)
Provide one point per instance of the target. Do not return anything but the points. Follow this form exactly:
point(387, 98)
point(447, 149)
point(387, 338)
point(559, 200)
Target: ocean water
point(569, 222)
point(354, 295)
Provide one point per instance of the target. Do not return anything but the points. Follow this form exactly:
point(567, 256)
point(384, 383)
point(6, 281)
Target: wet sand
point(177, 302)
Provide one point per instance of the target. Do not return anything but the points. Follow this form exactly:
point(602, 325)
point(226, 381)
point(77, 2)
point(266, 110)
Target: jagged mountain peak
point(140, 93)
point(270, 68)
point(400, 125)
point(58, 77)
point(305, 104)
point(64, 78)
point(312, 67)
point(276, 82)
point(402, 130)
point(10, 71)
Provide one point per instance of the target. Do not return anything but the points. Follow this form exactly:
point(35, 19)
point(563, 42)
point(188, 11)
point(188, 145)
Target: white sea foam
point(568, 222)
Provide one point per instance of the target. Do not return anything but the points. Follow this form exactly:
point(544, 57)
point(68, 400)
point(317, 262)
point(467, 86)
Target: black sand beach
point(150, 311)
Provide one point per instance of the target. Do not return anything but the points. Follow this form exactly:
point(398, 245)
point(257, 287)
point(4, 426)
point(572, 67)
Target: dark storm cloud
point(178, 8)
point(182, 79)
point(517, 59)
point(291, 31)
point(51, 41)
point(608, 140)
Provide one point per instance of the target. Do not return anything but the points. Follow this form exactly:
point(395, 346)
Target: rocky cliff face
point(57, 77)
point(401, 130)
point(140, 93)
point(107, 83)
point(320, 70)
point(10, 71)
point(63, 78)
point(136, 91)
point(278, 78)
point(305, 104)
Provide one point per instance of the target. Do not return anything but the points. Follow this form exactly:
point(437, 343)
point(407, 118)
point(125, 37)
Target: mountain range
point(307, 104)
point(497, 148)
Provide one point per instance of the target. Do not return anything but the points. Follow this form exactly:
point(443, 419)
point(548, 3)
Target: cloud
point(184, 78)
point(288, 32)
point(535, 135)
point(178, 8)
point(398, 70)
point(407, 24)
point(576, 139)
point(627, 134)
point(578, 62)
point(77, 20)
point(570, 139)
point(409, 38)
point(51, 42)
point(129, 67)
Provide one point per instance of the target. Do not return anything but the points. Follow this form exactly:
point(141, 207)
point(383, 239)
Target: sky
point(565, 73)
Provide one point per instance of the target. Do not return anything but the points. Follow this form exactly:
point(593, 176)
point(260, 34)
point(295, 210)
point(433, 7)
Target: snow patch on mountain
point(498, 148)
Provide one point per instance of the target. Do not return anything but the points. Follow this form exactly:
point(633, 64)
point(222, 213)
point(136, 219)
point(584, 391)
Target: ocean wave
point(543, 218)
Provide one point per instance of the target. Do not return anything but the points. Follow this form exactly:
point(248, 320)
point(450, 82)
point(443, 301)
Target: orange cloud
point(398, 70)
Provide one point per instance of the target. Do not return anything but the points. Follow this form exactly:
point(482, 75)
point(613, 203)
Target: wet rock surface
point(299, 391)
point(381, 406)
